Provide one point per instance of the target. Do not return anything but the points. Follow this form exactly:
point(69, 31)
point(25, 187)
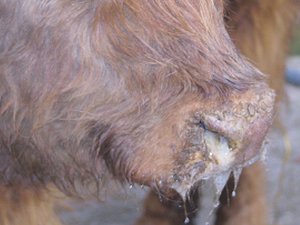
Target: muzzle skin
point(225, 137)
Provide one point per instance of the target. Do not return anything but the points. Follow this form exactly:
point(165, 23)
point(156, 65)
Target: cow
point(154, 92)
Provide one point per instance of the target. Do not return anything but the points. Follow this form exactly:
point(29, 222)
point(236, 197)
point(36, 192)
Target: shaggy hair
point(83, 81)
point(131, 88)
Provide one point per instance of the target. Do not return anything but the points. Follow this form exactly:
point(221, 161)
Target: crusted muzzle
point(224, 138)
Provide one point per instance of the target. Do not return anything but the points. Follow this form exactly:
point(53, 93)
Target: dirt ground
point(124, 206)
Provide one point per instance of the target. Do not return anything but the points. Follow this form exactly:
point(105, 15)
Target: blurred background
point(283, 161)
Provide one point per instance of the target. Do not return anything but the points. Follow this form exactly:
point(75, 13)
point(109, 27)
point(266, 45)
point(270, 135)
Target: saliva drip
point(187, 220)
point(236, 175)
point(219, 181)
point(160, 198)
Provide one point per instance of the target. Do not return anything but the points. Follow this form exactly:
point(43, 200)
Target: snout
point(234, 133)
point(225, 137)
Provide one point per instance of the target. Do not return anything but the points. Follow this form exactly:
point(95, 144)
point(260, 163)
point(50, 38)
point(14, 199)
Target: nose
point(226, 136)
point(234, 132)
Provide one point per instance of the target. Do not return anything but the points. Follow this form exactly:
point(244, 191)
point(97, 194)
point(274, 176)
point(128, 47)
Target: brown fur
point(94, 86)
point(250, 205)
point(261, 30)
point(57, 125)
point(26, 206)
point(168, 211)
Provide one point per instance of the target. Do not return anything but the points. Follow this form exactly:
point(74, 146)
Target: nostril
point(219, 148)
point(219, 138)
point(224, 141)
point(201, 124)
